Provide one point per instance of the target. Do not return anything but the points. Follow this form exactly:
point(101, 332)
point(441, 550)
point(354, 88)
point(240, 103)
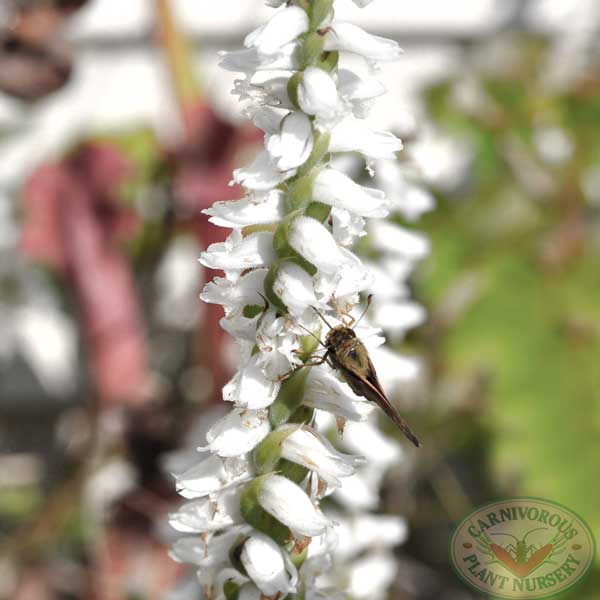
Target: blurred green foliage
point(523, 234)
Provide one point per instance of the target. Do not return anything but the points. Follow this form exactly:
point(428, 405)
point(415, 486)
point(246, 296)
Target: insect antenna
point(364, 312)
point(322, 317)
point(311, 333)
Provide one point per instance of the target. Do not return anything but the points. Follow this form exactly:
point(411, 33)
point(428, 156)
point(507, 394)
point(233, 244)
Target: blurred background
point(117, 129)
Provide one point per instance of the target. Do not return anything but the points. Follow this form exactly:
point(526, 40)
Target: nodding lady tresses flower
point(318, 96)
point(253, 516)
point(268, 565)
point(284, 27)
point(307, 447)
point(347, 37)
point(290, 505)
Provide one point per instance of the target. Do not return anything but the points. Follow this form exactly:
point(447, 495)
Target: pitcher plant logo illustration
point(522, 548)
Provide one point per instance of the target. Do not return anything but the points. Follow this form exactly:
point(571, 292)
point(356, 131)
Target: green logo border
point(580, 578)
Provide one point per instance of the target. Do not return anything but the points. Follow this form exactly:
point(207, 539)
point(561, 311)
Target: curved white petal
point(318, 96)
point(250, 388)
point(238, 432)
point(398, 317)
point(372, 575)
point(389, 237)
point(248, 211)
point(336, 189)
point(358, 93)
point(284, 27)
point(352, 135)
point(210, 475)
point(314, 242)
point(208, 555)
point(295, 288)
point(347, 227)
point(407, 198)
point(249, 60)
point(347, 37)
point(261, 174)
point(264, 562)
point(235, 294)
point(289, 504)
point(326, 392)
point(292, 146)
point(277, 344)
point(307, 447)
point(238, 252)
point(208, 514)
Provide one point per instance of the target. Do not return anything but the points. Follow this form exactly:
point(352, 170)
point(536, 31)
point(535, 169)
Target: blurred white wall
point(117, 89)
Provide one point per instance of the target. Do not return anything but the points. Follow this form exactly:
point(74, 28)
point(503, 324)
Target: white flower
point(252, 210)
point(295, 288)
point(336, 189)
point(398, 317)
point(389, 278)
point(307, 447)
point(289, 504)
point(249, 60)
point(370, 577)
point(208, 514)
point(261, 174)
point(292, 146)
point(350, 277)
point(268, 294)
point(347, 227)
point(207, 555)
point(263, 91)
point(238, 252)
point(362, 532)
point(367, 439)
point(394, 369)
point(315, 243)
point(238, 432)
point(354, 136)
point(278, 346)
point(250, 387)
point(388, 237)
point(406, 198)
point(284, 27)
point(318, 96)
point(359, 94)
point(326, 392)
point(346, 37)
point(268, 565)
point(210, 475)
point(236, 293)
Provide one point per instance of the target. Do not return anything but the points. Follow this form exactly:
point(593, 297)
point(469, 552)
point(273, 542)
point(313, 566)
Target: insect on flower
point(348, 356)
